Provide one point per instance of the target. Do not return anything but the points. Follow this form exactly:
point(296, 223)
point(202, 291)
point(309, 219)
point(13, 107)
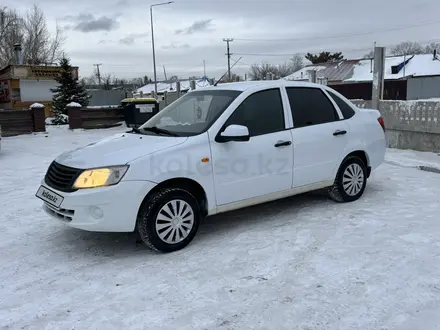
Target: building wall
point(423, 88)
point(36, 90)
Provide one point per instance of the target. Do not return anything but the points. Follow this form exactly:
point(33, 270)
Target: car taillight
point(381, 122)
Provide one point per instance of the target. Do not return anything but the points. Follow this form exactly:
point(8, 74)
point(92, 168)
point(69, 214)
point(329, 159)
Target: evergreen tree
point(324, 57)
point(69, 90)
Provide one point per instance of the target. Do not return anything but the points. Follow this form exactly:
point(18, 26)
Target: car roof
point(245, 85)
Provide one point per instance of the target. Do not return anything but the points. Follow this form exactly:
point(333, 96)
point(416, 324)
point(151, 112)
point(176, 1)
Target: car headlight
point(100, 177)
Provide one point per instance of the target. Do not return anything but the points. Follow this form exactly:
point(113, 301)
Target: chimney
point(18, 55)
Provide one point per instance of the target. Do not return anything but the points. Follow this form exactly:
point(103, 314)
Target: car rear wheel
point(350, 181)
point(168, 219)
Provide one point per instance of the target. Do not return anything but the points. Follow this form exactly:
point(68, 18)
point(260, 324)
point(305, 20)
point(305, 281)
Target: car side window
point(346, 110)
point(310, 106)
point(261, 112)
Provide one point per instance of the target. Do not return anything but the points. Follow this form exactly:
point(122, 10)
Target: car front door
point(320, 135)
point(263, 164)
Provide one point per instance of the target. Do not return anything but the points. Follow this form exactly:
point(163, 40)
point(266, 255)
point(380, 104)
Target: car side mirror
point(234, 133)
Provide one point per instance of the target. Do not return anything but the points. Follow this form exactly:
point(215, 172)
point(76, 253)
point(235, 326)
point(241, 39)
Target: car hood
point(118, 149)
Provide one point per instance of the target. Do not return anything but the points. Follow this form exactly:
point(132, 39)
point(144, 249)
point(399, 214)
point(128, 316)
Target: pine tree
point(69, 90)
point(324, 57)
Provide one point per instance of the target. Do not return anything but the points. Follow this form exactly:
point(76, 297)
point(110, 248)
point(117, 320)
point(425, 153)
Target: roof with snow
point(396, 67)
point(171, 87)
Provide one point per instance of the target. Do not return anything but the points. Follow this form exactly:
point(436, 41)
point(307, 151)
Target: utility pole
point(378, 76)
point(228, 53)
point(98, 73)
point(152, 41)
point(204, 69)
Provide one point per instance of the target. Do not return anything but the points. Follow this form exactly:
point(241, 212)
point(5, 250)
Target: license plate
point(49, 196)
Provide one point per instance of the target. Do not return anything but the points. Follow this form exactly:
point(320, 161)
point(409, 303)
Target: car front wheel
point(168, 219)
point(350, 181)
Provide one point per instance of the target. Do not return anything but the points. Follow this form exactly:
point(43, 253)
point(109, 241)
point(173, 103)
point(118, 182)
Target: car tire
point(350, 181)
point(168, 219)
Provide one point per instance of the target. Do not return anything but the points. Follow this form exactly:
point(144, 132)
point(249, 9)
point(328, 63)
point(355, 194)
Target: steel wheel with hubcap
point(168, 219)
point(353, 179)
point(350, 181)
point(174, 221)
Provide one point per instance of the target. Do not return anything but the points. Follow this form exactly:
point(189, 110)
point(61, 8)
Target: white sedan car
point(215, 150)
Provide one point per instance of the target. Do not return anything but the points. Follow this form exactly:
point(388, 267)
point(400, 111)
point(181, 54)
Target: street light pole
point(152, 41)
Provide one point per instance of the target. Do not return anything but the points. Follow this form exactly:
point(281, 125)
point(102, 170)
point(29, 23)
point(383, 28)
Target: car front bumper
point(105, 209)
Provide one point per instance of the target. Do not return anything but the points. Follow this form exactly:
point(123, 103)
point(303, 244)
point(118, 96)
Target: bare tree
point(260, 71)
point(429, 49)
point(38, 44)
point(117, 82)
point(234, 77)
point(89, 81)
point(106, 81)
point(297, 62)
point(407, 48)
point(136, 81)
point(284, 69)
point(10, 33)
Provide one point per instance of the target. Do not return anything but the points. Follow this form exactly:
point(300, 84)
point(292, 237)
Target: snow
point(168, 121)
point(37, 105)
point(171, 87)
point(49, 120)
point(414, 159)
point(432, 99)
point(74, 105)
point(420, 65)
point(303, 74)
point(299, 263)
point(103, 106)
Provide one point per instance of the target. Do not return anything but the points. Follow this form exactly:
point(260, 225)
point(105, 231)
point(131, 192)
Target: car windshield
point(191, 114)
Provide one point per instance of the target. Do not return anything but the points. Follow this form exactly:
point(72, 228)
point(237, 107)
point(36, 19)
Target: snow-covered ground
point(299, 263)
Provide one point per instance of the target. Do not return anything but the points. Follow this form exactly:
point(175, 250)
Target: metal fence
point(106, 98)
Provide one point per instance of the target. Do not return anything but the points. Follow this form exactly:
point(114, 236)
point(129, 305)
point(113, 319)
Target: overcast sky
point(117, 33)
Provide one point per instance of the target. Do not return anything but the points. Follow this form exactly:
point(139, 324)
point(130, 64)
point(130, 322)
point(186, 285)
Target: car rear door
point(319, 134)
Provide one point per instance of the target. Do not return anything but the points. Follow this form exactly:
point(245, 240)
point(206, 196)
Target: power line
point(301, 53)
point(396, 28)
point(319, 50)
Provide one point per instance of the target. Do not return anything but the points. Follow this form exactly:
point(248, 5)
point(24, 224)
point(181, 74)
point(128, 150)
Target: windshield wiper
point(158, 130)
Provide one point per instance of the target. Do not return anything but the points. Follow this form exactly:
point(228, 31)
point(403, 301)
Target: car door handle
point(338, 132)
point(283, 144)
